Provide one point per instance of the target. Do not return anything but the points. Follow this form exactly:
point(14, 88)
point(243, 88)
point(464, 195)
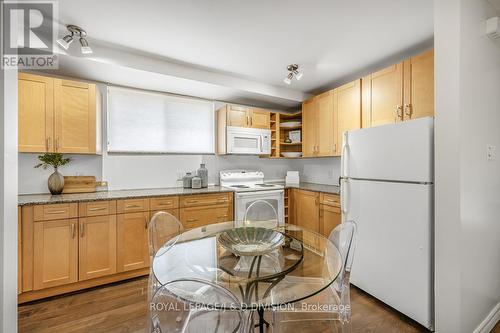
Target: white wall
point(8, 201)
point(467, 185)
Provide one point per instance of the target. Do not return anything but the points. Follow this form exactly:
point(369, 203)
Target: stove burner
point(240, 186)
point(265, 185)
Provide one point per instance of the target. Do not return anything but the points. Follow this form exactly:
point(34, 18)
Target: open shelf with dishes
point(286, 126)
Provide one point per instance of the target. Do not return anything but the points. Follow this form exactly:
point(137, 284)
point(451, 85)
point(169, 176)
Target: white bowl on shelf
point(287, 124)
point(291, 154)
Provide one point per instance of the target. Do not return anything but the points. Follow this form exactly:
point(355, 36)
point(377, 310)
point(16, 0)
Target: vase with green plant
point(55, 160)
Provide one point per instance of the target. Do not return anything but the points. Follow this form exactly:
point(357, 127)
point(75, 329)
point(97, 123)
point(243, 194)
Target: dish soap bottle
point(203, 174)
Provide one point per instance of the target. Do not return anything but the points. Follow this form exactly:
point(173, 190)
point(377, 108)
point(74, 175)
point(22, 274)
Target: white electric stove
point(249, 187)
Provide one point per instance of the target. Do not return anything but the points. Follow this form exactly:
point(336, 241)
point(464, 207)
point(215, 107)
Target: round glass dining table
point(304, 264)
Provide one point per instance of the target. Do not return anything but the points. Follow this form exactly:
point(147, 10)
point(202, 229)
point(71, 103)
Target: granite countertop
point(40, 199)
point(37, 199)
point(330, 189)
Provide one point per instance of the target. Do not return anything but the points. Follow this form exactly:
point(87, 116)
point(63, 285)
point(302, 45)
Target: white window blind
point(149, 122)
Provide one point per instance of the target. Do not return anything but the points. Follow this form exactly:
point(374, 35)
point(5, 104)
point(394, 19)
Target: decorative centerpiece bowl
point(250, 241)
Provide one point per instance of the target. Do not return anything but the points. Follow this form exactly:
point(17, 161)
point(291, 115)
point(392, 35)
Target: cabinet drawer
point(132, 205)
point(55, 212)
point(162, 203)
point(97, 208)
point(330, 199)
point(206, 200)
point(174, 212)
point(194, 217)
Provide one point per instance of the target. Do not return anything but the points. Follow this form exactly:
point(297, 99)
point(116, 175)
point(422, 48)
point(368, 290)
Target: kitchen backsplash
point(156, 171)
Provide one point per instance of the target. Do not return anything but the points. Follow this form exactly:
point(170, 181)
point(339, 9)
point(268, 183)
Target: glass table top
point(303, 265)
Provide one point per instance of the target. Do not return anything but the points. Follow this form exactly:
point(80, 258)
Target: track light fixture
point(75, 31)
point(293, 71)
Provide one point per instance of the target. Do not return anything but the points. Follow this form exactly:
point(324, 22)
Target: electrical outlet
point(491, 153)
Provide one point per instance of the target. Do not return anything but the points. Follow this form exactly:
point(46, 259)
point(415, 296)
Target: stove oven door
point(275, 197)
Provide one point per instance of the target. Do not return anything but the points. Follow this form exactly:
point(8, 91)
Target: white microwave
point(250, 141)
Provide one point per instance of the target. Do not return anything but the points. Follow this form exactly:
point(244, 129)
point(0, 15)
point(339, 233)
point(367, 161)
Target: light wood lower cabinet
point(306, 209)
point(97, 246)
point(132, 241)
point(329, 218)
point(193, 217)
point(55, 253)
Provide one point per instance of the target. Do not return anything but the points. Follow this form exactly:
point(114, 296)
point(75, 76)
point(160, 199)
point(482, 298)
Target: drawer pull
point(82, 229)
point(192, 201)
point(146, 223)
point(97, 208)
point(133, 206)
point(56, 212)
point(73, 230)
point(192, 220)
point(222, 217)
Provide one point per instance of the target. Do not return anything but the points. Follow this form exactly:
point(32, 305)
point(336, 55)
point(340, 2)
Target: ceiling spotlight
point(65, 41)
point(75, 31)
point(85, 46)
point(293, 71)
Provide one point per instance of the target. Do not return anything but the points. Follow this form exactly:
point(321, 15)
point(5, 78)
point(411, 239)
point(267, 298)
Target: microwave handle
point(261, 143)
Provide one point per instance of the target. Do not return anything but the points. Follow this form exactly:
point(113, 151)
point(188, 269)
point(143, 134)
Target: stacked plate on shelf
point(287, 124)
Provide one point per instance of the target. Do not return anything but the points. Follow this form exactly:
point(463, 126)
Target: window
point(149, 122)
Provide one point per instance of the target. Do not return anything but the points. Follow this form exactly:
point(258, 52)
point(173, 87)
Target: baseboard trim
point(490, 321)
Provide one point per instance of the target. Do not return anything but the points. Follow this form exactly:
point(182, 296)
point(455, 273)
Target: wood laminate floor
point(121, 308)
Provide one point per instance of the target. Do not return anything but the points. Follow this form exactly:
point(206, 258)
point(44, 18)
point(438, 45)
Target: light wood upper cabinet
point(75, 117)
point(259, 119)
point(237, 116)
point(55, 260)
point(56, 115)
point(383, 96)
point(419, 86)
point(132, 241)
point(97, 246)
point(326, 125)
point(347, 107)
point(306, 209)
point(36, 113)
point(309, 126)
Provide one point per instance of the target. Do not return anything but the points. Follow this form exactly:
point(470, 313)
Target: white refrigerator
point(387, 189)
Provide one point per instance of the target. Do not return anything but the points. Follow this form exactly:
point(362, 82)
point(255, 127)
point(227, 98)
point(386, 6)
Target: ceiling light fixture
point(68, 39)
point(293, 71)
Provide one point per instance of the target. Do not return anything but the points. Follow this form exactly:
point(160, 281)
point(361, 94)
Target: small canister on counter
point(196, 182)
point(186, 180)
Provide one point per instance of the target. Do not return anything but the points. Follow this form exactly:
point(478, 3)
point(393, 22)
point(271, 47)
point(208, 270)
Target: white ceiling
point(254, 40)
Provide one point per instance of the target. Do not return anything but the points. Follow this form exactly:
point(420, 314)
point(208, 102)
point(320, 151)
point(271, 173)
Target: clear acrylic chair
point(261, 213)
point(335, 300)
point(170, 310)
point(163, 230)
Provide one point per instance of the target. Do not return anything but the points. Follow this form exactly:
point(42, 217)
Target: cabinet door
point(55, 253)
point(238, 116)
point(132, 241)
point(309, 127)
point(193, 217)
point(383, 96)
point(347, 106)
point(325, 125)
point(260, 119)
point(97, 246)
point(419, 86)
point(36, 113)
point(329, 218)
point(75, 117)
point(306, 207)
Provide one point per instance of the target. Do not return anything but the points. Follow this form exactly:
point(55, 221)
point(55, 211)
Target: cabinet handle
point(164, 203)
point(48, 143)
point(192, 220)
point(334, 147)
point(73, 230)
point(132, 206)
point(192, 201)
point(57, 143)
point(251, 120)
point(56, 212)
point(408, 110)
point(96, 209)
point(399, 112)
point(248, 120)
point(82, 229)
point(146, 223)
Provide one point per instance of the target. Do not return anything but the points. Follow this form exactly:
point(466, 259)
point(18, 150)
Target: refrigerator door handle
point(343, 159)
point(343, 198)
